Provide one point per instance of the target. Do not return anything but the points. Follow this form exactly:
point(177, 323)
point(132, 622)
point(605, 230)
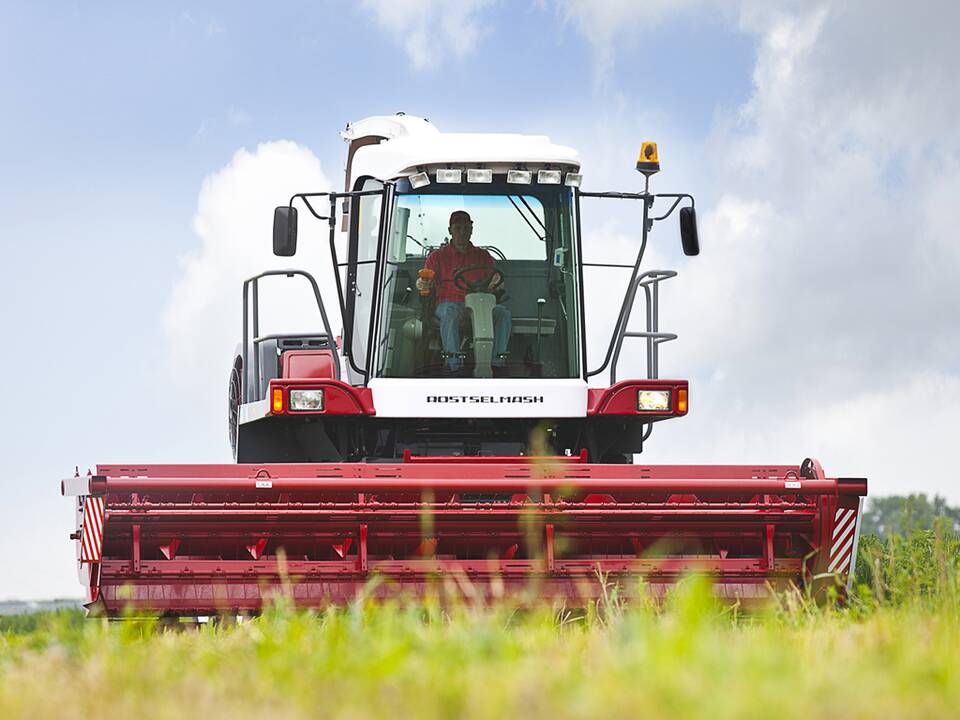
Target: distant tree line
point(901, 515)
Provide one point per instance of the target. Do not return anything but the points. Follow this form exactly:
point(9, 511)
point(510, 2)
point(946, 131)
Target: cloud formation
point(607, 24)
point(203, 317)
point(821, 317)
point(430, 31)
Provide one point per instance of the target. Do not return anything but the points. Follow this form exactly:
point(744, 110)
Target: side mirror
point(688, 231)
point(285, 231)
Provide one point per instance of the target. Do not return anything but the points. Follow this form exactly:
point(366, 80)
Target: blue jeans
point(451, 313)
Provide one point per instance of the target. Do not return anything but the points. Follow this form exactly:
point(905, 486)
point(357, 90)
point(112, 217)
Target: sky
point(143, 147)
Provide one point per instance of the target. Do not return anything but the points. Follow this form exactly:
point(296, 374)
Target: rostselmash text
point(506, 399)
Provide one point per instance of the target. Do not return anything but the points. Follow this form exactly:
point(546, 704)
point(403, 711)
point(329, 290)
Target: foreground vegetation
point(894, 649)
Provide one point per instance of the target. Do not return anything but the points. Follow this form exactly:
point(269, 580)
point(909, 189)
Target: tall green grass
point(894, 650)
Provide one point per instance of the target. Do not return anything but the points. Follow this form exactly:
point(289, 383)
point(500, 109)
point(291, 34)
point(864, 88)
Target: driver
point(445, 261)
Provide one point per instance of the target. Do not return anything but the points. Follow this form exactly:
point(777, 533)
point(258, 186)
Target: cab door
point(369, 219)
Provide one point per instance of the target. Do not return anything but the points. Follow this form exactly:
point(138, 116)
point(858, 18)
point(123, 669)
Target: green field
point(893, 651)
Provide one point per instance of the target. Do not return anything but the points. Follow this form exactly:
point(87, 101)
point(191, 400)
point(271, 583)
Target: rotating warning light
point(649, 162)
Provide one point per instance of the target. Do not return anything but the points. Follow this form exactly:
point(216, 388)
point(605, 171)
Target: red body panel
point(308, 364)
point(198, 539)
point(339, 398)
point(621, 399)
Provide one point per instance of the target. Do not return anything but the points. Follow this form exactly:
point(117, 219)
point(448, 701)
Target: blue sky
point(817, 318)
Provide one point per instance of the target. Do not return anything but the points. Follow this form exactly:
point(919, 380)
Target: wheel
point(483, 284)
point(233, 404)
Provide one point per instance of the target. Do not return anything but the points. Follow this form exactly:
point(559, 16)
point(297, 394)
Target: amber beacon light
point(649, 162)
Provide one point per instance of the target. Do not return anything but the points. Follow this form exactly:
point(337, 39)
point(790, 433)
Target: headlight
point(652, 400)
point(306, 399)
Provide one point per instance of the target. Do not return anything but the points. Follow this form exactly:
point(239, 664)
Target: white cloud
point(233, 222)
point(899, 436)
point(608, 24)
point(431, 30)
point(821, 317)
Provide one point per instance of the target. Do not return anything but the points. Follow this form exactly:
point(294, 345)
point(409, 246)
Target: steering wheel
point(482, 285)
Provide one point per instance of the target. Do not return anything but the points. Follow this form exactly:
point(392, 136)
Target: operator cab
point(509, 376)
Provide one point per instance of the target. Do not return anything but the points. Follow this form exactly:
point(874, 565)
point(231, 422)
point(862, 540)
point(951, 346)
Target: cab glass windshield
point(498, 289)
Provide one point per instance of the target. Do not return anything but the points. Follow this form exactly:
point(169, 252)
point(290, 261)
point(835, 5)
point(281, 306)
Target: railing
point(253, 345)
point(650, 282)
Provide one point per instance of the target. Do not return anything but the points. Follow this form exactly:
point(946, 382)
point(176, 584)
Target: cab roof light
point(479, 175)
point(519, 177)
point(449, 175)
point(419, 180)
point(548, 177)
point(573, 179)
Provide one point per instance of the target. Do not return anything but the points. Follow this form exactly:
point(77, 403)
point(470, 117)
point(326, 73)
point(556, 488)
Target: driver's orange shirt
point(445, 261)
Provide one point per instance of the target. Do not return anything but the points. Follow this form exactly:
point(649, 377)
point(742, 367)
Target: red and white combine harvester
point(451, 435)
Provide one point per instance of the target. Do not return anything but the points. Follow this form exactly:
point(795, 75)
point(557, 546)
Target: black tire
point(233, 404)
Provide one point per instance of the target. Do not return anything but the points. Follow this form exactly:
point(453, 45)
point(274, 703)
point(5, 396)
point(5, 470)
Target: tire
point(233, 404)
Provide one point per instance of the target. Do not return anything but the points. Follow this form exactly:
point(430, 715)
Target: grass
point(893, 650)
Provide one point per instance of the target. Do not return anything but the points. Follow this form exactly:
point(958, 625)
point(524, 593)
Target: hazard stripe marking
point(841, 538)
point(843, 555)
point(91, 538)
point(844, 534)
point(843, 517)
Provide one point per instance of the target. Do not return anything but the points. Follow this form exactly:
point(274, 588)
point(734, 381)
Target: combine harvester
point(472, 453)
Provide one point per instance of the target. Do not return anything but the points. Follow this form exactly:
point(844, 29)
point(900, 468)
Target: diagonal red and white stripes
point(844, 534)
point(91, 540)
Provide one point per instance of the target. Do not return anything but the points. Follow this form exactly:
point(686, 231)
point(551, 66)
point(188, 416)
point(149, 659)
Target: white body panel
point(254, 410)
point(479, 398)
point(413, 142)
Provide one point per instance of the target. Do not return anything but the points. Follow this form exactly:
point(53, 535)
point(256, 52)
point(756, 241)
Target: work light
point(479, 175)
point(548, 177)
point(519, 177)
point(421, 179)
point(449, 175)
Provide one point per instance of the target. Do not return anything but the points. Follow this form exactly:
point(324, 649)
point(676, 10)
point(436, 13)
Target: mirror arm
point(306, 201)
point(677, 198)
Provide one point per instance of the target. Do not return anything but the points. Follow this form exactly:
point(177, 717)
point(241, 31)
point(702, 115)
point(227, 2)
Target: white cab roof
point(413, 142)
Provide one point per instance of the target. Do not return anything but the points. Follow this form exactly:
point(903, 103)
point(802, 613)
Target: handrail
point(650, 282)
point(620, 327)
point(255, 280)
